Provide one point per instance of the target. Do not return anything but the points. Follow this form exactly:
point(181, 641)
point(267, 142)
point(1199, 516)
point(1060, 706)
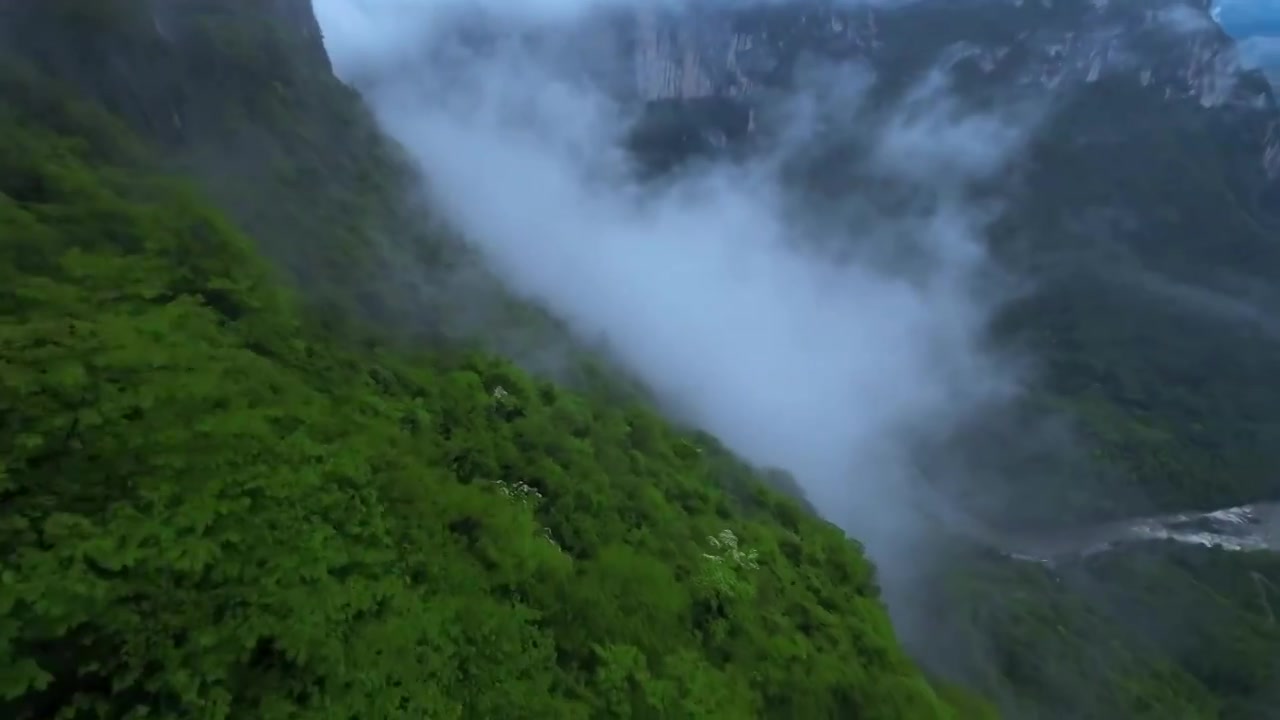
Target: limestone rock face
point(1158, 51)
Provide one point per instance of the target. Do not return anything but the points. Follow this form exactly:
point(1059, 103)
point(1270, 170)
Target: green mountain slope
point(212, 505)
point(239, 96)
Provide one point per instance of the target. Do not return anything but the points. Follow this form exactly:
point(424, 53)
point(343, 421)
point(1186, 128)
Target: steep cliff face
point(715, 51)
point(1172, 45)
point(1162, 52)
point(1170, 48)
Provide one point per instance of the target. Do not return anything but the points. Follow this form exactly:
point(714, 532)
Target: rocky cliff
point(1174, 46)
point(1169, 49)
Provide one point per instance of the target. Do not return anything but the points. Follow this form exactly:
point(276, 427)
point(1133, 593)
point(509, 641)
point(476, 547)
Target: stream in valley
point(1243, 528)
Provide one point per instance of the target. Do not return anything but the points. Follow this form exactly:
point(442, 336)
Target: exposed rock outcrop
point(1171, 50)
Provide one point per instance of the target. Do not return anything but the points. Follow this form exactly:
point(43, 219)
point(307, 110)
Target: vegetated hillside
point(211, 504)
point(239, 95)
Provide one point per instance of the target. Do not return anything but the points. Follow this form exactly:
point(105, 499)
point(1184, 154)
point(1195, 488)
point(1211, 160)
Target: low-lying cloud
point(713, 286)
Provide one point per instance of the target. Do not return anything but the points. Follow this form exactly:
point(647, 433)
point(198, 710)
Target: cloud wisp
point(713, 286)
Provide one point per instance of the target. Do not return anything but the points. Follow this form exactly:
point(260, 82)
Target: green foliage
point(726, 570)
point(238, 95)
point(212, 505)
point(210, 509)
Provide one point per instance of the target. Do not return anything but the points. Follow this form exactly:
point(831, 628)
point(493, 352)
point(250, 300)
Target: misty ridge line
point(710, 285)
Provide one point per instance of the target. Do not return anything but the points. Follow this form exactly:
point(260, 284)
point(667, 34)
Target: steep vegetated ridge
point(292, 156)
point(214, 505)
point(213, 502)
point(241, 96)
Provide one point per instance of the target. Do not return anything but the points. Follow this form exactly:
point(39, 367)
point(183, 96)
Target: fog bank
point(713, 286)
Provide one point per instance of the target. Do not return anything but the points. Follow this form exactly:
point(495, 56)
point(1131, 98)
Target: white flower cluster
point(504, 403)
point(723, 570)
point(528, 496)
point(727, 545)
point(519, 491)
